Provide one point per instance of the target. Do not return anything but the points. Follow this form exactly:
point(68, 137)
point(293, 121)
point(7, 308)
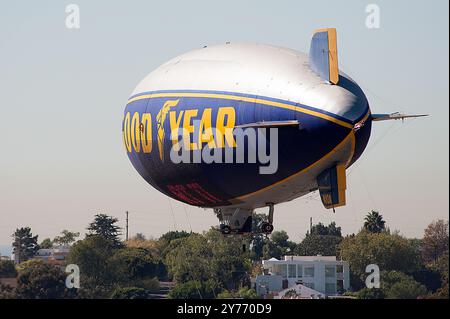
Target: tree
point(208, 256)
point(442, 266)
point(312, 245)
point(66, 238)
point(435, 241)
point(195, 289)
point(374, 222)
point(29, 264)
point(93, 255)
point(429, 277)
point(7, 292)
point(389, 252)
point(47, 243)
point(271, 250)
point(394, 285)
point(321, 240)
point(172, 235)
point(243, 293)
point(257, 241)
point(42, 281)
point(105, 226)
point(280, 238)
point(129, 293)
point(25, 244)
point(165, 240)
point(370, 293)
point(397, 285)
point(138, 263)
point(139, 237)
point(151, 245)
point(321, 229)
point(7, 269)
point(278, 245)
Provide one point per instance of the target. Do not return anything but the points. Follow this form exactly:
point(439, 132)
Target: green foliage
point(321, 240)
point(129, 293)
point(429, 277)
point(257, 241)
point(105, 226)
point(374, 222)
point(47, 243)
point(169, 239)
point(442, 267)
point(66, 238)
point(92, 255)
point(138, 263)
point(104, 267)
point(42, 281)
point(172, 235)
point(226, 294)
point(312, 245)
point(25, 244)
point(394, 285)
point(397, 285)
point(7, 292)
point(435, 241)
point(322, 230)
point(92, 289)
point(7, 269)
point(278, 245)
point(373, 293)
point(149, 284)
point(280, 238)
point(389, 252)
point(243, 293)
point(208, 256)
point(271, 250)
point(195, 289)
point(29, 264)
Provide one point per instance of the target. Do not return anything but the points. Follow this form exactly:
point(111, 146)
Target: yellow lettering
point(135, 133)
point(146, 132)
point(225, 129)
point(126, 132)
point(188, 129)
point(206, 134)
point(174, 127)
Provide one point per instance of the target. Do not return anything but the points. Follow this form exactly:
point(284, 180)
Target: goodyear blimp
point(236, 127)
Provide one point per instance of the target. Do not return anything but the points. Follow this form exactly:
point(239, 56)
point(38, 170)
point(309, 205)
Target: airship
point(302, 123)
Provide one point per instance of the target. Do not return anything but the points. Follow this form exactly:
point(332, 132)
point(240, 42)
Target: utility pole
point(310, 225)
point(126, 236)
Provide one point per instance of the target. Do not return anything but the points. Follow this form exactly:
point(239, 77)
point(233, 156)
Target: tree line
point(209, 265)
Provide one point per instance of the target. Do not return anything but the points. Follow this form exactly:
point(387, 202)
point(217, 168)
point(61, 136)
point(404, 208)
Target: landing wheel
point(267, 228)
point(225, 229)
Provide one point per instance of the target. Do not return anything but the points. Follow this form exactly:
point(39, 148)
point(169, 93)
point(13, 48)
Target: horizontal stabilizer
point(394, 116)
point(323, 56)
point(268, 124)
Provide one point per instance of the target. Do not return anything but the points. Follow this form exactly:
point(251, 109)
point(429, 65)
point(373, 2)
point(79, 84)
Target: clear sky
point(62, 94)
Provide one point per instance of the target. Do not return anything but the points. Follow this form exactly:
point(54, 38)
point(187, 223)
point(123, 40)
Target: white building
point(326, 275)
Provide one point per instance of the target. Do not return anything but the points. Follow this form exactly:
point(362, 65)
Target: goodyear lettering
point(146, 132)
point(137, 127)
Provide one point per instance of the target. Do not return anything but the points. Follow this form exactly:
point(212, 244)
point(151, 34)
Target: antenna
point(126, 236)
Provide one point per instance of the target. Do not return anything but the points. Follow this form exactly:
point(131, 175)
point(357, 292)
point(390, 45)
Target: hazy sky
point(62, 94)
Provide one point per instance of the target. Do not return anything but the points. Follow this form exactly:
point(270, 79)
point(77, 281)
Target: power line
point(187, 217)
point(173, 214)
